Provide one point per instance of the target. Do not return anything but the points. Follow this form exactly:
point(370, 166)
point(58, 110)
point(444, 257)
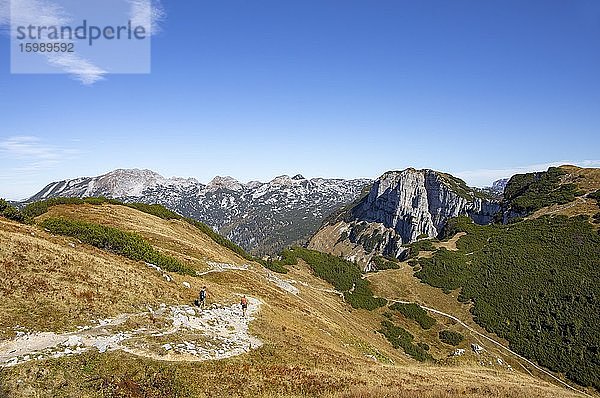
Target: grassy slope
point(315, 344)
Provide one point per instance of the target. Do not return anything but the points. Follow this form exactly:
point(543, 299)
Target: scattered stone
point(477, 349)
point(283, 284)
point(155, 267)
point(187, 285)
point(459, 352)
point(73, 341)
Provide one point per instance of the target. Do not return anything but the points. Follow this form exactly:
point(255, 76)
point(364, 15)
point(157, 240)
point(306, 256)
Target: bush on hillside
point(450, 337)
point(529, 192)
point(414, 312)
point(595, 195)
point(382, 263)
point(414, 248)
point(127, 244)
point(401, 338)
point(344, 275)
point(9, 211)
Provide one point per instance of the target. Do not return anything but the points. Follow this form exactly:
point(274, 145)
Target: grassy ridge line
point(166, 214)
point(127, 244)
point(529, 192)
point(36, 209)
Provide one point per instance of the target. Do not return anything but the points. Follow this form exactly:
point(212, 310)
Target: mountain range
point(261, 217)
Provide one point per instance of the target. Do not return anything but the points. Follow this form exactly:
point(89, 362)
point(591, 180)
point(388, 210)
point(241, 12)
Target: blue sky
point(324, 88)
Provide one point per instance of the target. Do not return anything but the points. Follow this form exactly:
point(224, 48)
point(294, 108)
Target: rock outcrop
point(401, 207)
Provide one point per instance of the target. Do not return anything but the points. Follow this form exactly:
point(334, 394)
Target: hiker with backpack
point(201, 301)
point(244, 304)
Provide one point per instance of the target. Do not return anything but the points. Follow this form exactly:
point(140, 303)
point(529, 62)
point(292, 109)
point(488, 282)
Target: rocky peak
point(281, 180)
point(226, 182)
point(401, 207)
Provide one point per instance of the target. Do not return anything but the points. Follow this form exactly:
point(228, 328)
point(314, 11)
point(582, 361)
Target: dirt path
point(489, 339)
point(182, 333)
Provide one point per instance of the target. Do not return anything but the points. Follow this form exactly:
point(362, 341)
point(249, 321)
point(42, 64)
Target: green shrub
point(450, 337)
point(418, 246)
point(362, 296)
point(401, 338)
point(424, 346)
point(9, 211)
point(534, 283)
point(595, 196)
point(382, 263)
point(127, 244)
point(414, 312)
point(344, 275)
point(526, 193)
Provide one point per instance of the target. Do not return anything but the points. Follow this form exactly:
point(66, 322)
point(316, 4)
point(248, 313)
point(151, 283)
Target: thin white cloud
point(147, 13)
point(32, 153)
point(485, 177)
point(80, 68)
point(26, 162)
point(49, 13)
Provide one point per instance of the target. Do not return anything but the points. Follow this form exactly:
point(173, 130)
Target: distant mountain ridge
point(262, 217)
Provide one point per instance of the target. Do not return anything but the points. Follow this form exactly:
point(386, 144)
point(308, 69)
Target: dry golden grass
point(315, 344)
point(56, 283)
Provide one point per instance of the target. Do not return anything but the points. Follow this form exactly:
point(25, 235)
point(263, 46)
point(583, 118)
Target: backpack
point(202, 294)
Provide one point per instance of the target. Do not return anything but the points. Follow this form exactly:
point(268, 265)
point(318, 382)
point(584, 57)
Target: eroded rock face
point(401, 207)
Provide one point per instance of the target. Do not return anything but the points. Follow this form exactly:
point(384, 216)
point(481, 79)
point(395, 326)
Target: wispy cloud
point(484, 177)
point(145, 12)
point(26, 161)
point(50, 13)
point(32, 153)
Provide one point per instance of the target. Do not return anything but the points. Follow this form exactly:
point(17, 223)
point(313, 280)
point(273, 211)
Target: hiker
point(201, 302)
point(244, 304)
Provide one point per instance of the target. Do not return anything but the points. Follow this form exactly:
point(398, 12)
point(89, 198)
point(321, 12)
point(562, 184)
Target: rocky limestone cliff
point(401, 207)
